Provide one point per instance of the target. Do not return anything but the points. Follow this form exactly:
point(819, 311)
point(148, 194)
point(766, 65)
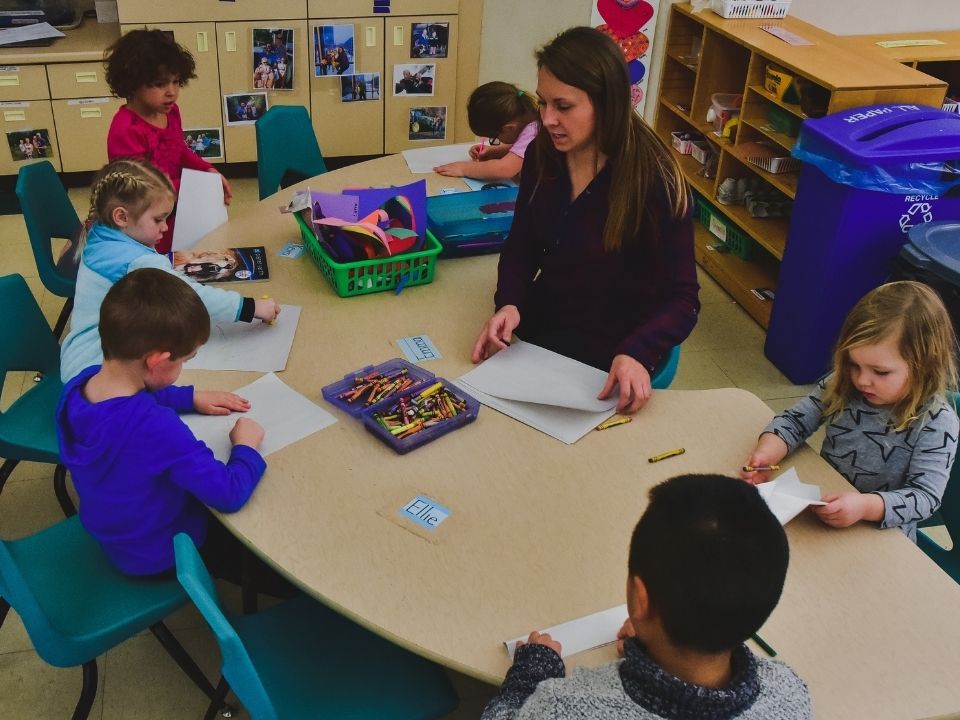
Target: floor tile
point(698, 371)
point(752, 371)
point(32, 689)
point(724, 325)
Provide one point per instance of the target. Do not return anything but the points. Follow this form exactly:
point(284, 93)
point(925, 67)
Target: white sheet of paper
point(545, 390)
point(255, 346)
point(787, 497)
point(200, 207)
point(286, 416)
point(24, 33)
point(583, 633)
point(424, 160)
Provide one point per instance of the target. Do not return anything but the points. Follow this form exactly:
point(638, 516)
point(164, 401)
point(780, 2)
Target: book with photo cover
point(244, 264)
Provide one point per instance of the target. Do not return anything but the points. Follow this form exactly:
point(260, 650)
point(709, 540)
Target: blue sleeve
point(178, 398)
point(532, 664)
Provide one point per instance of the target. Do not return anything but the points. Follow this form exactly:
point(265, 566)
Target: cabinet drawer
point(77, 80)
point(360, 8)
point(23, 82)
point(151, 11)
point(83, 125)
point(20, 120)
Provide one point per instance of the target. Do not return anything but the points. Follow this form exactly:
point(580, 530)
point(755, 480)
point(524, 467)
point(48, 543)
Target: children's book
point(242, 264)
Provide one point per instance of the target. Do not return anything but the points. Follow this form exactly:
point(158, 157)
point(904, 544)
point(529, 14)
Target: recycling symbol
point(918, 212)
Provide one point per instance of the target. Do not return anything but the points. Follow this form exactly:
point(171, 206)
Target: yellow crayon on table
point(614, 421)
point(665, 455)
point(274, 321)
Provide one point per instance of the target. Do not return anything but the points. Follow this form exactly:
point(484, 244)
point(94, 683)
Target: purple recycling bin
point(869, 174)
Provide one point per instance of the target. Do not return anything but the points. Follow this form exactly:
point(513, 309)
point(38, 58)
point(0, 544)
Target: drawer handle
point(398, 36)
point(87, 76)
point(230, 38)
point(371, 36)
point(90, 112)
point(9, 80)
point(202, 44)
point(14, 115)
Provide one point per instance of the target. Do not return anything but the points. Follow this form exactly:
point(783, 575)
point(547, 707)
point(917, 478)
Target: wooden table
point(539, 530)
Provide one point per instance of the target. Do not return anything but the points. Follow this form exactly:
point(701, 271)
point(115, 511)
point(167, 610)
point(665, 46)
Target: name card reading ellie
point(425, 512)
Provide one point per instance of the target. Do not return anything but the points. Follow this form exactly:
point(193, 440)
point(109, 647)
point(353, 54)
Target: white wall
point(868, 17)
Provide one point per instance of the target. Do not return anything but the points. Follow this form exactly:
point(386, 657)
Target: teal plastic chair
point(48, 213)
point(299, 659)
point(27, 428)
point(75, 606)
point(949, 513)
point(287, 149)
point(667, 371)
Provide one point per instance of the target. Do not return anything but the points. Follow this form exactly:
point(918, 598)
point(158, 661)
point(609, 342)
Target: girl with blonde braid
point(130, 201)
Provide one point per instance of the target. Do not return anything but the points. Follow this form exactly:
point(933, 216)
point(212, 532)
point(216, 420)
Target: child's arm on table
point(483, 151)
point(534, 661)
point(503, 168)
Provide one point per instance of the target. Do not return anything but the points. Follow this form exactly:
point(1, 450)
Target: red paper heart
point(633, 46)
point(623, 17)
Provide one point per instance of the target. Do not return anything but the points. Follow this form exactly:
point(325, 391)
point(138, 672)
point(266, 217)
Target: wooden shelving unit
point(706, 54)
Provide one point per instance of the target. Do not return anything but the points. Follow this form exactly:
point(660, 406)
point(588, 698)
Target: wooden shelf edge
point(784, 182)
point(784, 141)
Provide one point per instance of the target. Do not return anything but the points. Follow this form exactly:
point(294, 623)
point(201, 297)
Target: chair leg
point(218, 701)
point(62, 319)
point(89, 692)
point(6, 470)
point(4, 609)
point(183, 659)
point(60, 488)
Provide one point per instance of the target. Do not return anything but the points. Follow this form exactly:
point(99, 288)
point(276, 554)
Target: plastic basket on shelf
point(363, 277)
point(732, 238)
point(751, 8)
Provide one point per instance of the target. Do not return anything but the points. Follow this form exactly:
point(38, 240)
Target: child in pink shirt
point(148, 68)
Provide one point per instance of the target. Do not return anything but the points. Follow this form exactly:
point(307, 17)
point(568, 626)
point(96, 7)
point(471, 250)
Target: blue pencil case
point(471, 223)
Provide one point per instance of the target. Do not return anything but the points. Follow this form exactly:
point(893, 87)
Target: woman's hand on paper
point(538, 638)
point(217, 402)
point(247, 432)
point(626, 631)
point(634, 381)
point(227, 190)
point(266, 309)
point(496, 333)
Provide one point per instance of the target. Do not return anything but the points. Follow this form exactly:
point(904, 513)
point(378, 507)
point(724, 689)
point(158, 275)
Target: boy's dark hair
point(150, 310)
point(141, 57)
point(713, 558)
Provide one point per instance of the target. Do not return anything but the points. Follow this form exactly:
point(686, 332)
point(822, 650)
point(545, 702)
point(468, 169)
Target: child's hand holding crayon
point(266, 309)
point(769, 451)
point(217, 402)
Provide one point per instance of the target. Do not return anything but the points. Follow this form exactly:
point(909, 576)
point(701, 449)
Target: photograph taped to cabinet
point(363, 86)
point(428, 123)
point(29, 144)
point(333, 50)
point(414, 79)
point(429, 40)
point(244, 108)
point(205, 142)
point(273, 58)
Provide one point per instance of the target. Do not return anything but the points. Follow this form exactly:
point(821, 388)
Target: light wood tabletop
point(539, 530)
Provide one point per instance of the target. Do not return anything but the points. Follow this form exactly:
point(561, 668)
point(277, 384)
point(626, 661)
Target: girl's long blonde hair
point(914, 317)
point(132, 183)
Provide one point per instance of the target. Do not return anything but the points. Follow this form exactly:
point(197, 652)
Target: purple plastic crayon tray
point(412, 442)
point(334, 390)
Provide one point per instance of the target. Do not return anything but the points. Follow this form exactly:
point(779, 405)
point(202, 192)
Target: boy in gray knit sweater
point(707, 565)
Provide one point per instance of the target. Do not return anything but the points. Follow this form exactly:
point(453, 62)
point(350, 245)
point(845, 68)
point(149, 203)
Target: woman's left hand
point(634, 381)
point(218, 402)
point(227, 190)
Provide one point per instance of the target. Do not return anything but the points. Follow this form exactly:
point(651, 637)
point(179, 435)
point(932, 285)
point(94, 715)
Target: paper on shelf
point(787, 497)
point(424, 160)
point(200, 207)
point(28, 33)
point(584, 633)
point(257, 345)
point(286, 416)
point(545, 390)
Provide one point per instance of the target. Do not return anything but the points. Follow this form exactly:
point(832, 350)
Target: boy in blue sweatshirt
point(141, 474)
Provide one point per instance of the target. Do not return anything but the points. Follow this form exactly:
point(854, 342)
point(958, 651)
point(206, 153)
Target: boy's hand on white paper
point(634, 381)
point(227, 190)
point(496, 333)
point(266, 309)
point(217, 402)
point(247, 432)
point(626, 631)
point(537, 638)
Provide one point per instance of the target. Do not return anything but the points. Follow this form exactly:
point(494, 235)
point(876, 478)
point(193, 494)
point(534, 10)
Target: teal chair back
point(47, 213)
point(948, 560)
point(664, 374)
point(287, 148)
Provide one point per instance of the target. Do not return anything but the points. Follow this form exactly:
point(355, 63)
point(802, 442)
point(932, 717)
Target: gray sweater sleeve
point(796, 424)
point(532, 664)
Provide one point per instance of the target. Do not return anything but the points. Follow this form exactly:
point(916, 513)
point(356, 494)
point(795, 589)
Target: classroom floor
point(137, 679)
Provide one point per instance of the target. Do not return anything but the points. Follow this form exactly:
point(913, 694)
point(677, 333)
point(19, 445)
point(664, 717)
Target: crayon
point(665, 455)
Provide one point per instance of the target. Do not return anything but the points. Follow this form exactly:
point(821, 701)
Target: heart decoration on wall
point(633, 46)
point(625, 17)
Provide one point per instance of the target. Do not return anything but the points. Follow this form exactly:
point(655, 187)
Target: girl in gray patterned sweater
point(706, 568)
point(891, 432)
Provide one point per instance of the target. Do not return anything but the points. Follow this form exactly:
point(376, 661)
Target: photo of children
point(428, 123)
point(272, 58)
point(429, 40)
point(365, 86)
point(29, 144)
point(413, 79)
point(205, 142)
point(333, 50)
point(244, 108)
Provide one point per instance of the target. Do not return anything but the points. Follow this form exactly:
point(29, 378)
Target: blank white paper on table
point(545, 390)
point(256, 345)
point(787, 497)
point(285, 414)
point(200, 207)
point(424, 160)
point(584, 633)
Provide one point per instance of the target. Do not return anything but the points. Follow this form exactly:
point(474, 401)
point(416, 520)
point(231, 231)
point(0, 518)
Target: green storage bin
point(730, 235)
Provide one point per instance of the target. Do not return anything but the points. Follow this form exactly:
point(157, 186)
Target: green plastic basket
point(363, 277)
point(733, 239)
